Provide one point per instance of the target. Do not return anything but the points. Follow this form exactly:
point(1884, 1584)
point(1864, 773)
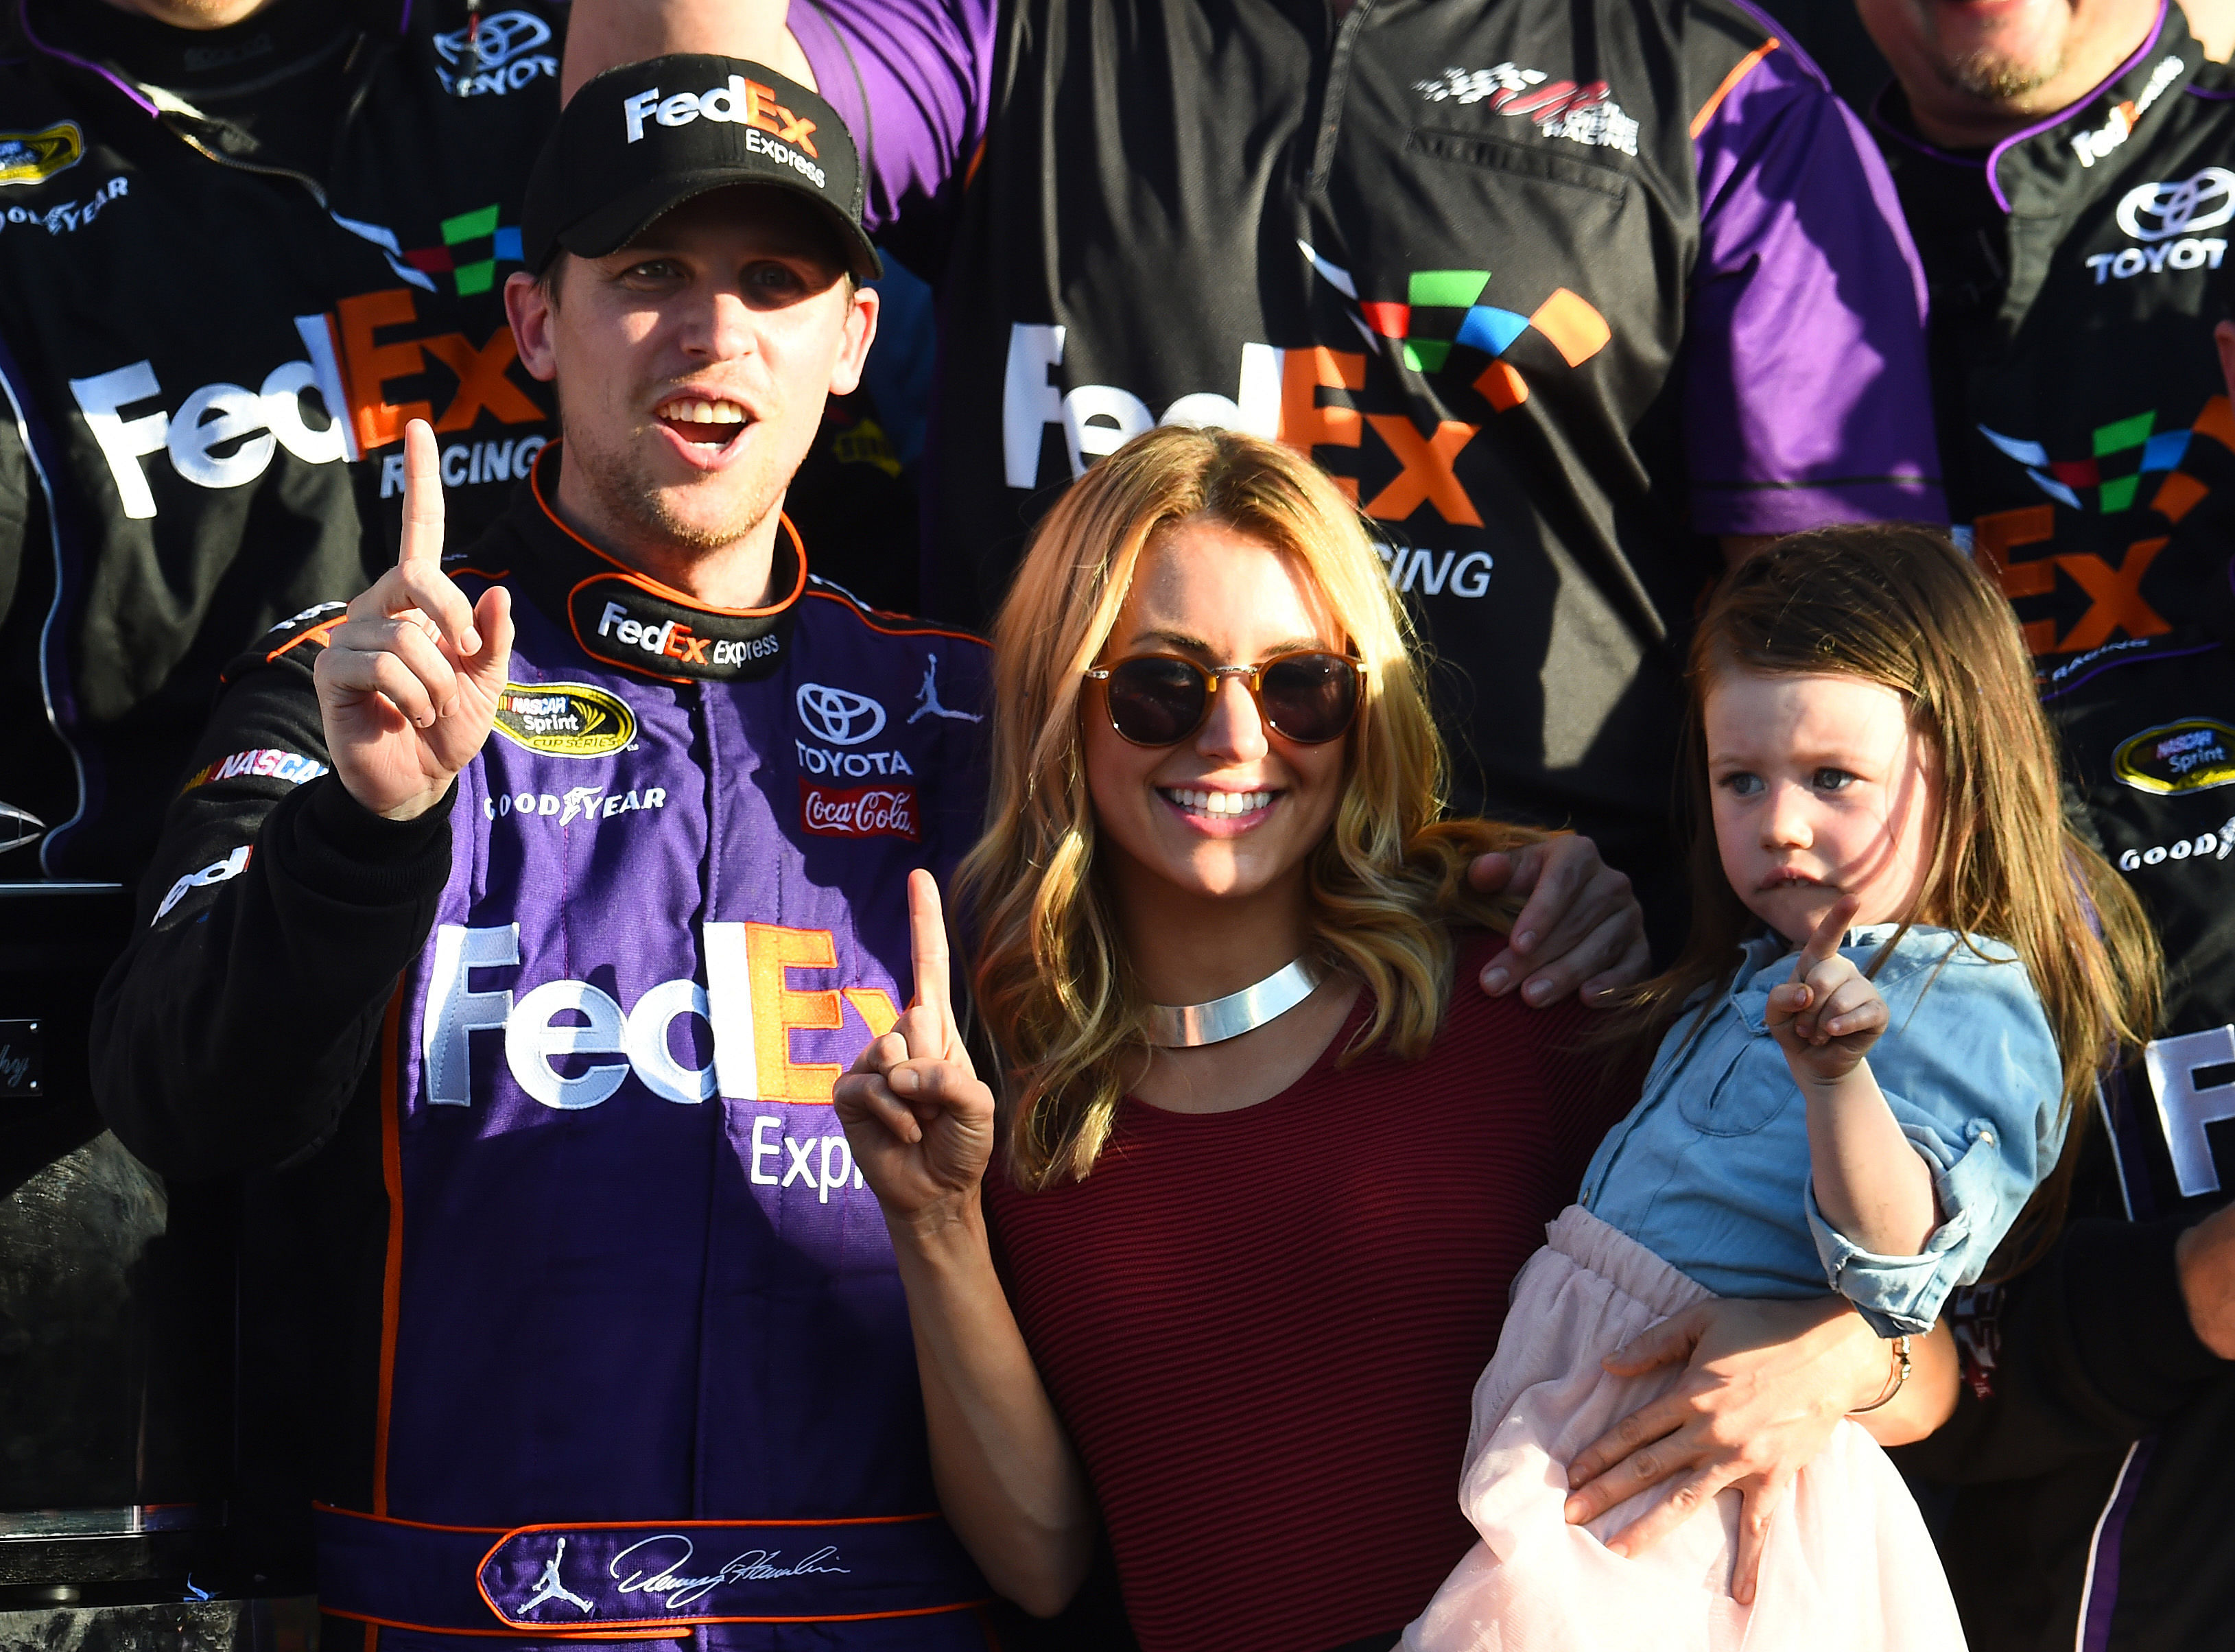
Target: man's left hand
point(2205, 1257)
point(1766, 1384)
point(1580, 931)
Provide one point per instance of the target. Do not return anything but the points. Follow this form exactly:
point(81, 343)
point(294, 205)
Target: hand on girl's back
point(1580, 930)
point(917, 1116)
point(1828, 1015)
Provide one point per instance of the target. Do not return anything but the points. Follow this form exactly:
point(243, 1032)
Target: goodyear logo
point(564, 719)
point(34, 157)
point(2194, 754)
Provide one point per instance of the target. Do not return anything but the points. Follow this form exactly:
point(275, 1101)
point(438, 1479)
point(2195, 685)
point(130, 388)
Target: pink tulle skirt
point(1848, 1567)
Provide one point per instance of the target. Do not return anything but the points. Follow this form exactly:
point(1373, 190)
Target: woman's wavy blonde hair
point(1052, 983)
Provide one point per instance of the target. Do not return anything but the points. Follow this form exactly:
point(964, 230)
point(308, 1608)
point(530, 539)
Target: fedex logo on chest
point(570, 1045)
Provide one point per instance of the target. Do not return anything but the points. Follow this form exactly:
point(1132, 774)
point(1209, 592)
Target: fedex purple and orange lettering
point(369, 366)
point(749, 1003)
point(2115, 603)
point(1301, 397)
point(224, 435)
point(1305, 424)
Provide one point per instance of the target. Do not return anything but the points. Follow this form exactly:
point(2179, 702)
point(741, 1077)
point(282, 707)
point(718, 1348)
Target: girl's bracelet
point(1899, 1376)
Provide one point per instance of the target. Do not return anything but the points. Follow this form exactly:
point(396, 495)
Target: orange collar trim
point(668, 594)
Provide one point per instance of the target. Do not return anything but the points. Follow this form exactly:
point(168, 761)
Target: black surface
point(94, 1566)
point(1831, 33)
point(222, 1625)
point(116, 1297)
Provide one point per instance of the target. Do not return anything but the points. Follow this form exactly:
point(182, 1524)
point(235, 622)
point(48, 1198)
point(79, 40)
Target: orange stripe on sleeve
point(321, 634)
point(374, 1625)
point(1740, 70)
point(391, 1292)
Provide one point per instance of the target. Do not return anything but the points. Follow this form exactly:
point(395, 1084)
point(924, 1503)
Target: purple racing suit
point(629, 1356)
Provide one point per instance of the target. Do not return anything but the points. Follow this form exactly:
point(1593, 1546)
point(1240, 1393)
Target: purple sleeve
point(1806, 395)
point(912, 78)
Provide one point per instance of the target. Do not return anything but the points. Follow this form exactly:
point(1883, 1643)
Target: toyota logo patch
point(499, 40)
point(839, 715)
point(2159, 212)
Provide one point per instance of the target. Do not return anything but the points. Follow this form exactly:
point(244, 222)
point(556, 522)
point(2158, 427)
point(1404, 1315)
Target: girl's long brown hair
point(1052, 982)
point(1901, 606)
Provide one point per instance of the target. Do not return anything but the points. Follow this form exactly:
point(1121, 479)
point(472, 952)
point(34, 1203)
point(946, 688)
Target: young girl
point(1904, 977)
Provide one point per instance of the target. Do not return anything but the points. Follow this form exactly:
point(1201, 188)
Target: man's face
point(1975, 70)
point(692, 366)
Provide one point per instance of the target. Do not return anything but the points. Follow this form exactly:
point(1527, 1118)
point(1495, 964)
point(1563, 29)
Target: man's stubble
point(1993, 77)
point(621, 477)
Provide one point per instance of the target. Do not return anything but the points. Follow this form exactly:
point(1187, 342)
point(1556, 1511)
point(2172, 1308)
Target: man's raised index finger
point(419, 550)
point(927, 943)
point(423, 498)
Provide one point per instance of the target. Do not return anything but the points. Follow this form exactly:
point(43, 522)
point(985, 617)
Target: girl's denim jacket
point(1710, 1171)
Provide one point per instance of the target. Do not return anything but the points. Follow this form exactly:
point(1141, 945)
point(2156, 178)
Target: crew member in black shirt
point(2064, 173)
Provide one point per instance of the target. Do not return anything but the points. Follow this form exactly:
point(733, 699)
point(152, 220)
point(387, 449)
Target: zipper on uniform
point(174, 121)
point(1333, 90)
point(318, 190)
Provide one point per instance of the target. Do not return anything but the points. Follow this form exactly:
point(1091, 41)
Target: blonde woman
point(1265, 1174)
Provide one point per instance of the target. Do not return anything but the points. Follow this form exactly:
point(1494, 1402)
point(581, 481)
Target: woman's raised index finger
point(927, 943)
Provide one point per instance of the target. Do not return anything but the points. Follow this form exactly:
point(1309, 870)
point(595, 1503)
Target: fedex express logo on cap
point(742, 103)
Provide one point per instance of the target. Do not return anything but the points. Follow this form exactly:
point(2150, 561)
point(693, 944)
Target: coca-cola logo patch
point(857, 811)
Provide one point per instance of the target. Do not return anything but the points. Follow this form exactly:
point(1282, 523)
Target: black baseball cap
point(641, 140)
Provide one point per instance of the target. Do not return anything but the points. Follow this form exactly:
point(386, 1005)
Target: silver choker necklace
point(1183, 1027)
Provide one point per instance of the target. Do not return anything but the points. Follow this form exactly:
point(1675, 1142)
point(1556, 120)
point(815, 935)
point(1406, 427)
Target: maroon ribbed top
point(1262, 1328)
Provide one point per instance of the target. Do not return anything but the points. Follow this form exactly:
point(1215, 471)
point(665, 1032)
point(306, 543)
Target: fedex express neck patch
point(626, 620)
point(2194, 754)
point(620, 623)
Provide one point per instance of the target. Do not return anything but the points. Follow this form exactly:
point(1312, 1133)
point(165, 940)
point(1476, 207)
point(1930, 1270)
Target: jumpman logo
point(550, 1587)
point(926, 697)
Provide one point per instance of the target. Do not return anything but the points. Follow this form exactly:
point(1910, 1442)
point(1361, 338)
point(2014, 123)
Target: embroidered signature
point(754, 1565)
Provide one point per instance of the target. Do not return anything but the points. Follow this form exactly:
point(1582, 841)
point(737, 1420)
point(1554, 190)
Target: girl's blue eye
point(1833, 779)
point(1743, 785)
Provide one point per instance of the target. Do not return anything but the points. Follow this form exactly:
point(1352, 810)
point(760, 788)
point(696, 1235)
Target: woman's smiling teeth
point(1217, 803)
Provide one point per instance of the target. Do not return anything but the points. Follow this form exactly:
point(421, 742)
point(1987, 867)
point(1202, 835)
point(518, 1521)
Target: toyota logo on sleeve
point(2158, 212)
point(839, 715)
point(497, 40)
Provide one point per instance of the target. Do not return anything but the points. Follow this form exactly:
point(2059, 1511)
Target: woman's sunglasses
point(1310, 697)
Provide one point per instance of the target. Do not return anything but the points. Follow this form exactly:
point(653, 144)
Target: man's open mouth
point(695, 418)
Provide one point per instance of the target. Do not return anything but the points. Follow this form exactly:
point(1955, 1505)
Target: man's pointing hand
point(409, 683)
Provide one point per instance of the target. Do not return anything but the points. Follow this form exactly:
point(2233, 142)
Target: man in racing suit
point(1560, 291)
point(2063, 172)
point(600, 1328)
